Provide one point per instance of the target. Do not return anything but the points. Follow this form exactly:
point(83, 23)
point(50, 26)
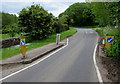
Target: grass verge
point(14, 50)
point(3, 36)
point(114, 49)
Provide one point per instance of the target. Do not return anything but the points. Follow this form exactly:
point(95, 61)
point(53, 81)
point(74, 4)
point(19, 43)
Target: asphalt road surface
point(74, 63)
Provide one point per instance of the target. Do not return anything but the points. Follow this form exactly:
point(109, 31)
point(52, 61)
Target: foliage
point(95, 13)
point(106, 13)
point(39, 23)
point(114, 50)
point(9, 24)
point(8, 19)
point(11, 29)
point(79, 14)
point(3, 36)
point(85, 27)
point(36, 20)
point(52, 38)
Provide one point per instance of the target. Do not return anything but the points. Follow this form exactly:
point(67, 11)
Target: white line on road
point(34, 63)
point(96, 67)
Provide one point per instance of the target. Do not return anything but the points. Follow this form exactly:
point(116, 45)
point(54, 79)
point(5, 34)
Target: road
point(73, 63)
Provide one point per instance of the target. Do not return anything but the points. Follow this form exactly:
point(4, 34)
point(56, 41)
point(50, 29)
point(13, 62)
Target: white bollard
point(57, 39)
point(103, 41)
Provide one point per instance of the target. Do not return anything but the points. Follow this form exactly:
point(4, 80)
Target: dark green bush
point(114, 50)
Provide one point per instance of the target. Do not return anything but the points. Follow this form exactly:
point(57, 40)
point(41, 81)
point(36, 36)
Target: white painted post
point(103, 41)
point(57, 38)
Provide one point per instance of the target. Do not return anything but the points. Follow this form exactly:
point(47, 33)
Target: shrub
point(114, 50)
point(37, 21)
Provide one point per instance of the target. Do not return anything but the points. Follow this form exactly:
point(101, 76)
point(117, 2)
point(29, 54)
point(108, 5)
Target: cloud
point(15, 14)
point(53, 6)
point(44, 1)
point(60, 7)
point(14, 7)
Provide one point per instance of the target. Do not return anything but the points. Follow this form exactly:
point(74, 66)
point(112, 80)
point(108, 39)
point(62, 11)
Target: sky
point(52, 6)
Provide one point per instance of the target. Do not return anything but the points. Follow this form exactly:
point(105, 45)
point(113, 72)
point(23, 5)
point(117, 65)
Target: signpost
point(23, 47)
point(109, 40)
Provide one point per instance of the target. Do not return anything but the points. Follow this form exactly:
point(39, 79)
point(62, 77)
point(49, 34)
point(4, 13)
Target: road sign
point(22, 47)
point(22, 42)
point(109, 40)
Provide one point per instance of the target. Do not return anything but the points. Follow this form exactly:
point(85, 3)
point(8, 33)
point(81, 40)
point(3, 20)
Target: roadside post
point(57, 39)
point(23, 47)
point(109, 40)
point(103, 42)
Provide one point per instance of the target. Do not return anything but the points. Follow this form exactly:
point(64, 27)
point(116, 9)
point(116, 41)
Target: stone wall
point(5, 43)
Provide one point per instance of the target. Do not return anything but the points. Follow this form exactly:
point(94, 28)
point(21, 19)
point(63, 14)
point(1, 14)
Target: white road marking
point(96, 67)
point(94, 59)
point(34, 63)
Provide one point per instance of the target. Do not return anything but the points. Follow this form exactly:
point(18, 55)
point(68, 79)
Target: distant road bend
point(73, 63)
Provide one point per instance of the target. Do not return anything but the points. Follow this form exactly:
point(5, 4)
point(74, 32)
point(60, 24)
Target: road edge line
point(34, 63)
point(96, 67)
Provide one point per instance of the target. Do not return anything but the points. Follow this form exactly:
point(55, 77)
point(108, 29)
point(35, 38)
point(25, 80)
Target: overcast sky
point(54, 6)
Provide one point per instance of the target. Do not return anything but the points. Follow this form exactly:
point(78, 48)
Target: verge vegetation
point(11, 51)
point(102, 15)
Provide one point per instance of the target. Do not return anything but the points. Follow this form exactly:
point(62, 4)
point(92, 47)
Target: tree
point(63, 19)
point(8, 19)
point(38, 22)
point(79, 14)
point(106, 13)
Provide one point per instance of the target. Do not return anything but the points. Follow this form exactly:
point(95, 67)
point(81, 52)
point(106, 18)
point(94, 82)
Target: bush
point(65, 27)
point(37, 21)
point(114, 50)
point(11, 28)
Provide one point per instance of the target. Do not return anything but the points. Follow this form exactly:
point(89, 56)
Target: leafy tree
point(79, 14)
point(114, 9)
point(106, 13)
point(37, 21)
point(63, 19)
point(8, 19)
point(7, 22)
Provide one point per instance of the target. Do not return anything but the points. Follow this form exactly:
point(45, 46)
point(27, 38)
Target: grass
point(3, 36)
point(14, 50)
